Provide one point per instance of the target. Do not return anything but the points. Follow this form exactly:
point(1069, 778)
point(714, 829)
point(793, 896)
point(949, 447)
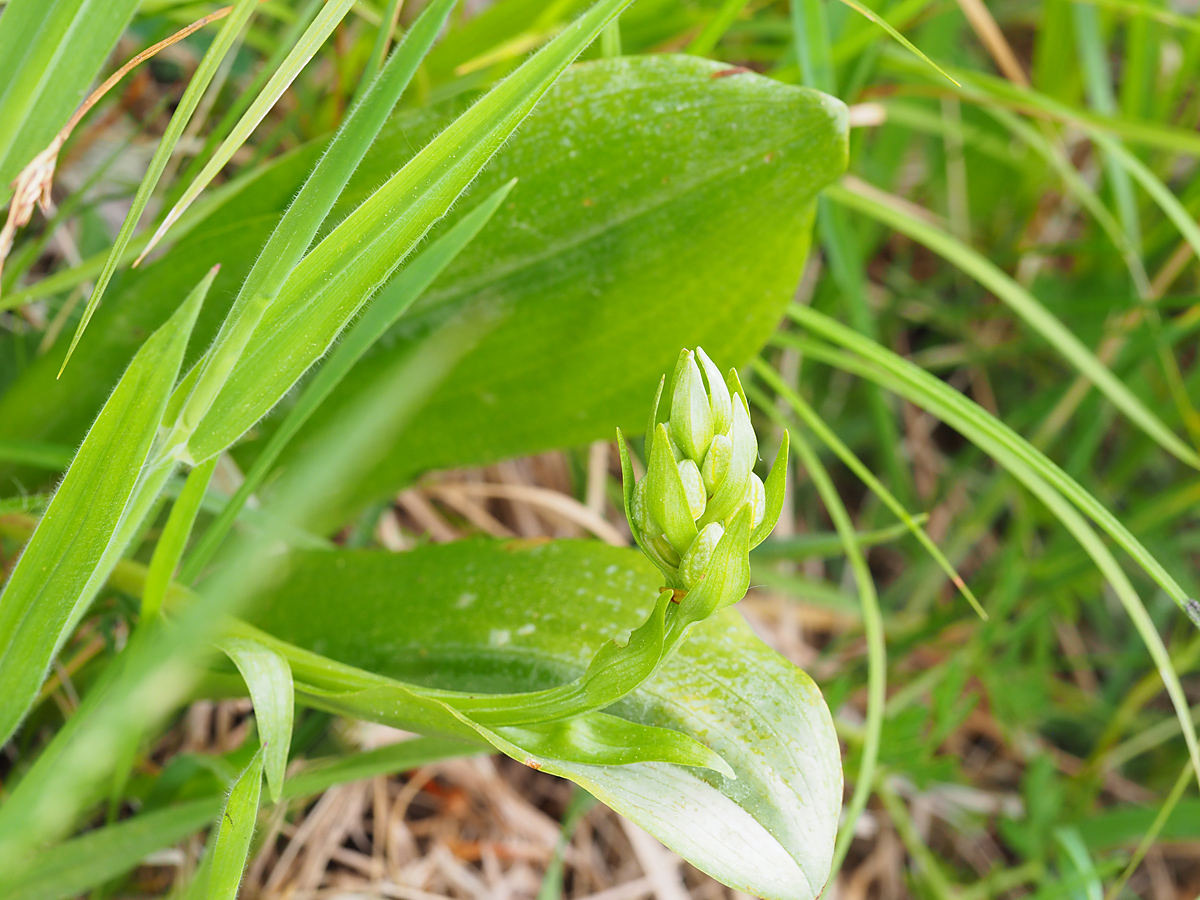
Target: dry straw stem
point(32, 186)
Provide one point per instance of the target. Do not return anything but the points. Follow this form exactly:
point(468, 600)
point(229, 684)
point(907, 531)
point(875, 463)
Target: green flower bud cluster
point(700, 506)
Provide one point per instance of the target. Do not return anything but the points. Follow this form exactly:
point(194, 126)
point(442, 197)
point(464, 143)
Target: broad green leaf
point(217, 50)
point(50, 51)
point(334, 280)
point(77, 540)
point(393, 301)
point(235, 829)
point(269, 679)
point(712, 224)
point(94, 858)
point(497, 617)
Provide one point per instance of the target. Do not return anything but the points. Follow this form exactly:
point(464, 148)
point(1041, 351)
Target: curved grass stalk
point(838, 334)
point(1028, 308)
point(1057, 490)
point(979, 87)
point(834, 443)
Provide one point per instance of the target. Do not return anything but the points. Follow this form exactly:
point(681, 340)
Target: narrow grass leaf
point(159, 666)
point(1043, 478)
point(230, 29)
point(1148, 11)
point(1077, 853)
point(390, 305)
point(269, 678)
point(720, 22)
point(979, 87)
point(833, 331)
point(283, 45)
point(1151, 836)
point(74, 546)
point(887, 26)
point(913, 523)
point(329, 17)
point(169, 549)
point(77, 865)
point(74, 867)
point(325, 291)
point(1079, 189)
point(1152, 185)
point(50, 51)
point(298, 226)
point(1028, 308)
point(235, 829)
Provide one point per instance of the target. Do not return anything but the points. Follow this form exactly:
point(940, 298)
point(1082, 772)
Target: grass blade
point(872, 625)
point(331, 283)
point(1044, 479)
point(76, 541)
point(834, 443)
point(158, 668)
point(75, 866)
point(1029, 309)
point(169, 548)
point(269, 678)
point(383, 312)
point(72, 868)
point(1037, 461)
point(50, 51)
point(883, 23)
point(235, 831)
point(304, 216)
point(328, 19)
point(220, 46)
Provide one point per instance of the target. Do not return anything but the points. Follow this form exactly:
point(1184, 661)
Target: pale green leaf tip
point(718, 764)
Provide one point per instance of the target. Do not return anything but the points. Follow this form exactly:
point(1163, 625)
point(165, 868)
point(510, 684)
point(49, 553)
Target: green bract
point(700, 477)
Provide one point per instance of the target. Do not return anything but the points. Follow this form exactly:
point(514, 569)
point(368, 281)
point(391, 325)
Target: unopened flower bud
point(718, 393)
point(716, 462)
point(695, 561)
point(758, 500)
point(664, 549)
point(640, 514)
point(693, 487)
point(691, 410)
point(700, 508)
point(666, 497)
